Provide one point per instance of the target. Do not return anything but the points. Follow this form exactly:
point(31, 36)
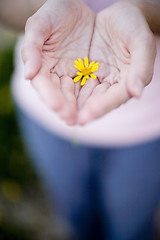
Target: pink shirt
point(134, 122)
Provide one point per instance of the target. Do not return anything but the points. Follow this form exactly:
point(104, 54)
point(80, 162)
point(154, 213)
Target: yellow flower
point(85, 70)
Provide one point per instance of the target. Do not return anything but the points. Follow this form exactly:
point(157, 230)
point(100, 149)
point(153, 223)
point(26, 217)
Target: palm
point(111, 47)
point(71, 28)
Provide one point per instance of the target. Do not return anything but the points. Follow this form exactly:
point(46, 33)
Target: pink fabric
point(98, 5)
point(134, 122)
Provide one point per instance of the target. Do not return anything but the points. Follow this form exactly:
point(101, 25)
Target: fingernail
point(27, 69)
point(138, 88)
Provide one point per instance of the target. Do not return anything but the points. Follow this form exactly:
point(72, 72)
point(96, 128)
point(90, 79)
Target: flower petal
point(81, 63)
point(92, 63)
point(94, 68)
point(87, 76)
point(77, 67)
point(86, 61)
point(83, 81)
point(76, 79)
point(93, 76)
point(80, 74)
point(77, 63)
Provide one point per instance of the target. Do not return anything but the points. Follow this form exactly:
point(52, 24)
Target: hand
point(125, 48)
point(58, 34)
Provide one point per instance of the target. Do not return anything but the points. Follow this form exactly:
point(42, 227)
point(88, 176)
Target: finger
point(69, 110)
point(77, 88)
point(143, 52)
point(35, 36)
point(101, 89)
point(47, 87)
point(65, 67)
point(103, 101)
point(86, 91)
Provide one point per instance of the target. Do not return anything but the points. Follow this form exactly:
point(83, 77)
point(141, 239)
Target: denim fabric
point(102, 193)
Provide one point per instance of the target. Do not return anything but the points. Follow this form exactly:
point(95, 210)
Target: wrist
point(150, 10)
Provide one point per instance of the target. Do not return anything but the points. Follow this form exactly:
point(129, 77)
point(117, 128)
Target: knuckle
point(28, 23)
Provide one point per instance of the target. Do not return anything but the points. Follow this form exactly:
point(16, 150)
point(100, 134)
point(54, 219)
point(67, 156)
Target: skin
point(119, 38)
point(126, 65)
point(51, 45)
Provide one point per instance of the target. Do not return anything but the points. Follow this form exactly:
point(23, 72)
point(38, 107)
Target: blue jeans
point(102, 193)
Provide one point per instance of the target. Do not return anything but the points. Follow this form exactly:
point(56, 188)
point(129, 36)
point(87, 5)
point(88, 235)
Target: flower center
point(86, 71)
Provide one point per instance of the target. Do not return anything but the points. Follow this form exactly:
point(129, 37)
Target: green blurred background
point(24, 209)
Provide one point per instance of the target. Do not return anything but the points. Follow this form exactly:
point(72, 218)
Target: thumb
point(143, 54)
point(32, 48)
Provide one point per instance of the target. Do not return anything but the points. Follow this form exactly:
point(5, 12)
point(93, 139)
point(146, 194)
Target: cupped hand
point(55, 36)
point(125, 48)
